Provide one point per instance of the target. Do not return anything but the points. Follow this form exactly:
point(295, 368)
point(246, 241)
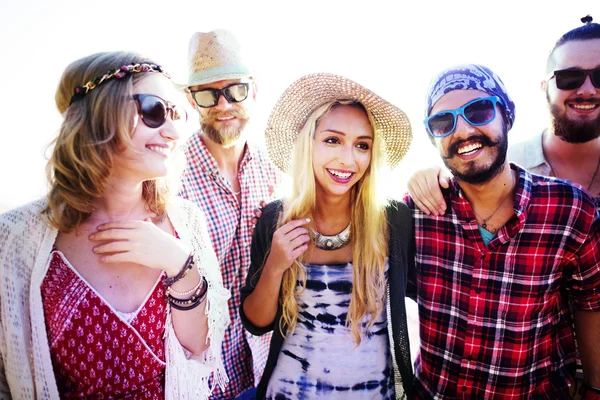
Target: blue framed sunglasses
point(477, 112)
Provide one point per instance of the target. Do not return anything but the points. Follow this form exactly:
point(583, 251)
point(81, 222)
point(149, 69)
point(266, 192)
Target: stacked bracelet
point(198, 297)
point(187, 266)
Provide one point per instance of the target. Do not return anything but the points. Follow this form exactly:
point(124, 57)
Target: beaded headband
point(117, 73)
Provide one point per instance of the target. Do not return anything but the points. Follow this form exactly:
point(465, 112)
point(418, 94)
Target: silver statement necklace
point(334, 242)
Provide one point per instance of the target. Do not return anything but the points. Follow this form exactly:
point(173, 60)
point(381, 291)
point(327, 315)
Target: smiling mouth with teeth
point(341, 175)
point(584, 106)
point(159, 149)
point(471, 148)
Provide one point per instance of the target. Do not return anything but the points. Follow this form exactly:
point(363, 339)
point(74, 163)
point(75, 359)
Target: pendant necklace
point(334, 242)
point(485, 220)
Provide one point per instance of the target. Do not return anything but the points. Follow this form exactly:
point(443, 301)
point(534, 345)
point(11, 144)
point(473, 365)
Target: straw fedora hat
point(308, 93)
point(214, 56)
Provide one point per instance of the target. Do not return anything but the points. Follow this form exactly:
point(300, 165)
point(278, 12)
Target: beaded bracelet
point(198, 292)
point(187, 266)
point(186, 293)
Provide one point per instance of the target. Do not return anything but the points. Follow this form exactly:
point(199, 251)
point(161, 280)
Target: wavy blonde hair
point(369, 228)
point(94, 129)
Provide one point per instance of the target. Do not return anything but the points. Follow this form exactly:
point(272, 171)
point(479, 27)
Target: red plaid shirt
point(495, 321)
point(229, 224)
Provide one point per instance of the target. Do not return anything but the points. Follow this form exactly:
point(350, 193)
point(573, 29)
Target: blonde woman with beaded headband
point(326, 257)
point(110, 287)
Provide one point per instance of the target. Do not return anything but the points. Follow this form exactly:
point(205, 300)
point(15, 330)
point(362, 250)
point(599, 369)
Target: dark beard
point(573, 131)
point(486, 175)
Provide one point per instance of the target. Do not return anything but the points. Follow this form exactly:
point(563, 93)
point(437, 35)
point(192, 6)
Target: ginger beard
point(226, 135)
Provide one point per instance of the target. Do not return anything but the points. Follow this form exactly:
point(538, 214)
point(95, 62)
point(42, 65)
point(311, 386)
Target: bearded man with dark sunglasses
point(501, 277)
point(228, 177)
point(570, 147)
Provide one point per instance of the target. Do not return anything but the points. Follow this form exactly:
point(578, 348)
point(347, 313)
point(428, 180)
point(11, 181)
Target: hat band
point(218, 73)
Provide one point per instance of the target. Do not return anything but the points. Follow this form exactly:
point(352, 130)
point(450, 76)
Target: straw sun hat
point(312, 91)
point(214, 56)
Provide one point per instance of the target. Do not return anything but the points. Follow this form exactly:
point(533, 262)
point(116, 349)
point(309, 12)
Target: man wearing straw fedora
point(227, 177)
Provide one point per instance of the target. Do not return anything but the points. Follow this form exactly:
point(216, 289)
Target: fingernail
point(307, 219)
point(92, 236)
point(95, 249)
point(100, 226)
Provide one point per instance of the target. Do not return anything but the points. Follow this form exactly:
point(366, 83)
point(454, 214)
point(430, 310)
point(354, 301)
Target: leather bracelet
point(187, 266)
point(187, 308)
point(590, 393)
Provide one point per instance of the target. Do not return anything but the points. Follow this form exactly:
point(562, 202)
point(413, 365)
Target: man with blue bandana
point(570, 147)
point(496, 275)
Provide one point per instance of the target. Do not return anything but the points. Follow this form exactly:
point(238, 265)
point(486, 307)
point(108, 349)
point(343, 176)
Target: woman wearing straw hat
point(110, 287)
point(326, 259)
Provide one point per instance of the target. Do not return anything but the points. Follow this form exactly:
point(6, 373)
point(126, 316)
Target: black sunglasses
point(207, 98)
point(477, 112)
point(154, 110)
point(573, 78)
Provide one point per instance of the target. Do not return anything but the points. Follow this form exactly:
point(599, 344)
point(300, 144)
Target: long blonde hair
point(93, 130)
point(369, 228)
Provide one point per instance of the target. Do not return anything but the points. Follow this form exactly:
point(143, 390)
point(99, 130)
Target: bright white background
point(392, 47)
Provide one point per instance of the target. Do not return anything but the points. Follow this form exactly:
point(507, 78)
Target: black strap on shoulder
point(400, 234)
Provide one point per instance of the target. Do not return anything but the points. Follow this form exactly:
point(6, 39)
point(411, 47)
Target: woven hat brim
point(214, 75)
point(308, 93)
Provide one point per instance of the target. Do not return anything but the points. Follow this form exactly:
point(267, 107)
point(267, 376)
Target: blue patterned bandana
point(473, 77)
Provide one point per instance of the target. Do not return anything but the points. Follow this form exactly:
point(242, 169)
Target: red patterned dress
point(97, 353)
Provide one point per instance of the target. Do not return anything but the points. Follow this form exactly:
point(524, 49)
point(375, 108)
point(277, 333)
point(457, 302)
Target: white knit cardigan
point(26, 372)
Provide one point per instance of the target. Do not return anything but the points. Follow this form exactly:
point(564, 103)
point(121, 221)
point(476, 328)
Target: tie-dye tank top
point(320, 359)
